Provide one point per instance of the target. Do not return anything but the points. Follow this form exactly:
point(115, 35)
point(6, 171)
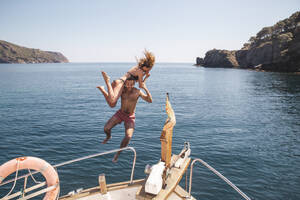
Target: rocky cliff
point(274, 48)
point(11, 53)
point(220, 58)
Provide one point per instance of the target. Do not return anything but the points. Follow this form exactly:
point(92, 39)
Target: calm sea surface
point(245, 124)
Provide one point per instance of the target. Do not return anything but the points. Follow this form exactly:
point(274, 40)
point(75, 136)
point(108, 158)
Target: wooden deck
point(127, 191)
point(172, 181)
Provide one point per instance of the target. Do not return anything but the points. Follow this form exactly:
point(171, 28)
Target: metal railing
point(101, 154)
point(218, 174)
point(63, 164)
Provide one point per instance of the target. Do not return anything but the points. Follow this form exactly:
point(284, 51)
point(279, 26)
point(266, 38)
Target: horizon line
point(163, 62)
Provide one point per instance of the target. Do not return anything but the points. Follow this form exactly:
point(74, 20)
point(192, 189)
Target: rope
point(218, 174)
point(13, 187)
point(227, 181)
point(33, 177)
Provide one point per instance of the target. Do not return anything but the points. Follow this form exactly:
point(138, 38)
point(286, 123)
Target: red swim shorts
point(129, 119)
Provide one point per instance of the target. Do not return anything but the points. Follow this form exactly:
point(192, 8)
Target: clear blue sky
point(119, 30)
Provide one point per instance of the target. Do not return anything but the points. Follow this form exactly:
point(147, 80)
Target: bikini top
point(132, 76)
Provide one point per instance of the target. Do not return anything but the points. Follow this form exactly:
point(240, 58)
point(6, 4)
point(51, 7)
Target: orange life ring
point(37, 164)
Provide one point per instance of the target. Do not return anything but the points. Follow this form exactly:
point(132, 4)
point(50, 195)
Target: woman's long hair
point(147, 61)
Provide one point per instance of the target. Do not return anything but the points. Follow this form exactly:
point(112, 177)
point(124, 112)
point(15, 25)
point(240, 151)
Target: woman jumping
point(139, 73)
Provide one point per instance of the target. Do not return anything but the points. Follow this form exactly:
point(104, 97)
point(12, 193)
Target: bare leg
point(101, 88)
point(125, 142)
point(114, 90)
point(112, 122)
point(118, 86)
point(107, 82)
point(108, 136)
point(105, 94)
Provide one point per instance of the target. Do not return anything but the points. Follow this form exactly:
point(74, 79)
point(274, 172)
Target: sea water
point(246, 124)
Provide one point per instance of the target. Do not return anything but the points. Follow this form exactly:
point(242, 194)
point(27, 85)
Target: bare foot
point(106, 77)
point(108, 137)
point(101, 88)
point(115, 159)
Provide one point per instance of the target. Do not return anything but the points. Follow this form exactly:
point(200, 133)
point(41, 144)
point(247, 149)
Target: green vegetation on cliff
point(11, 53)
point(274, 48)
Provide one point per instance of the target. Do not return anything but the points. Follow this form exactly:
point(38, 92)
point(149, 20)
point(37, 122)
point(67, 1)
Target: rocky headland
point(274, 48)
point(11, 53)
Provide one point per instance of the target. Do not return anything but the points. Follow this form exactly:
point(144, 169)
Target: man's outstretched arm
point(147, 97)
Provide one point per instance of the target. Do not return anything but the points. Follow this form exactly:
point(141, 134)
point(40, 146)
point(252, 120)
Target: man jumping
point(129, 98)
